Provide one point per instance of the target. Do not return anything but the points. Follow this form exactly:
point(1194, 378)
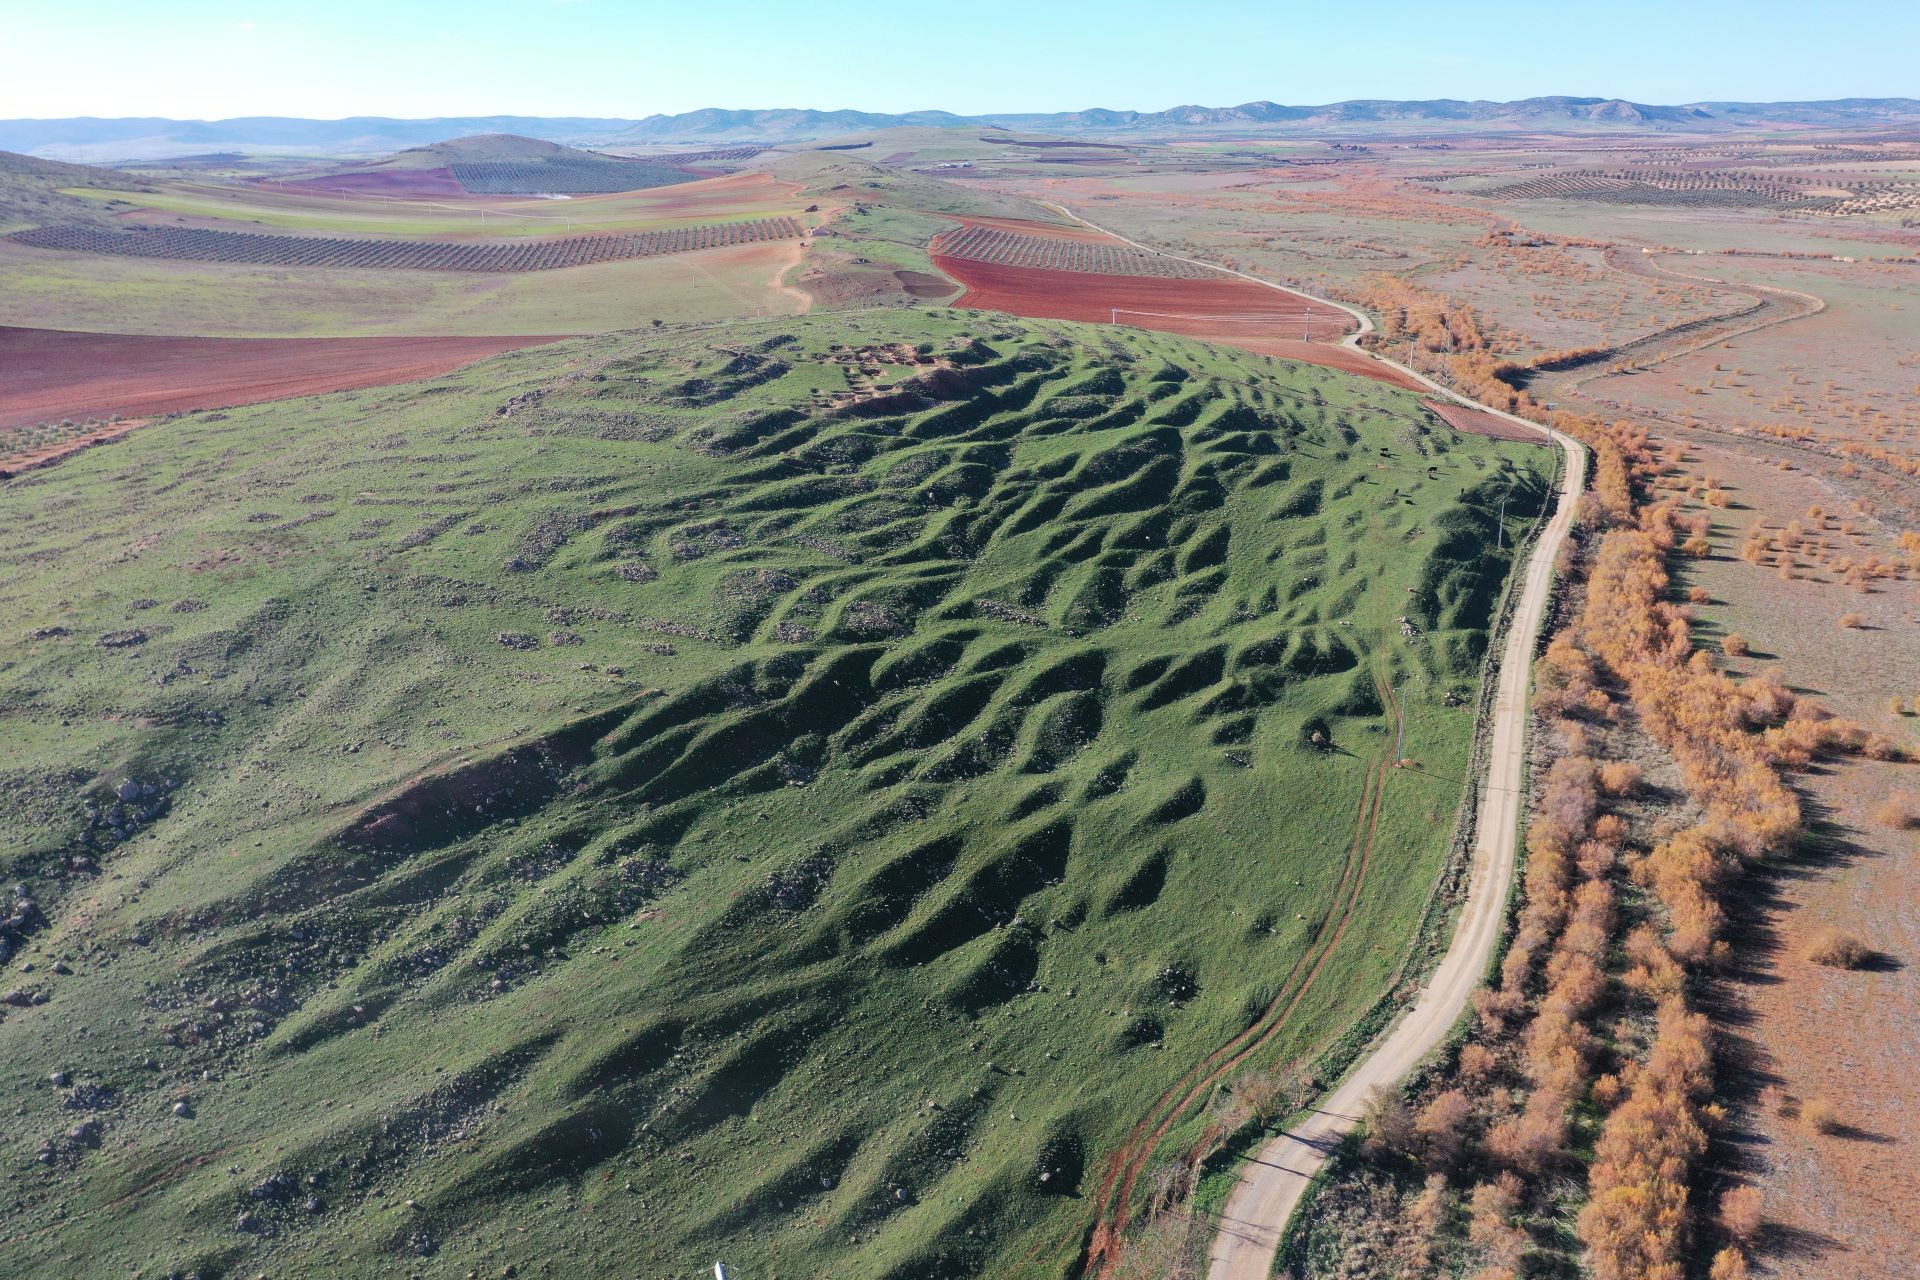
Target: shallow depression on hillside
point(791, 792)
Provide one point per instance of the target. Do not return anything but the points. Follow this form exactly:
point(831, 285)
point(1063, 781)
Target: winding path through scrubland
point(1272, 1182)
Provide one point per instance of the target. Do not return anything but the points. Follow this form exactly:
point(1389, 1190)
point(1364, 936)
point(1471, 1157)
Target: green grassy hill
point(790, 794)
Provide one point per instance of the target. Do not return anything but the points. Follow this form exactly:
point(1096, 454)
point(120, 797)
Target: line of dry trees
point(1565, 1048)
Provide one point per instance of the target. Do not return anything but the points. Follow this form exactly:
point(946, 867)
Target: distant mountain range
point(85, 138)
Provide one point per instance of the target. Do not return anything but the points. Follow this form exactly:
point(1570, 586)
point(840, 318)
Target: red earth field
point(1476, 422)
point(1224, 309)
point(53, 373)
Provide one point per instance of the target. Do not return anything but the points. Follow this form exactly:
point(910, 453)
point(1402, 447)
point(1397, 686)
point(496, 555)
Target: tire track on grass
point(1125, 1166)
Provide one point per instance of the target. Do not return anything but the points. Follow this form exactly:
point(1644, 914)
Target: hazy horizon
point(224, 59)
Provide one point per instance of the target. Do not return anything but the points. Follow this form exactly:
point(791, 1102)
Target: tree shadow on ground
point(1757, 912)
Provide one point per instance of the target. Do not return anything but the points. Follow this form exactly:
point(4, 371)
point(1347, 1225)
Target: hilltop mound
point(753, 793)
point(57, 172)
point(498, 164)
point(31, 191)
point(482, 147)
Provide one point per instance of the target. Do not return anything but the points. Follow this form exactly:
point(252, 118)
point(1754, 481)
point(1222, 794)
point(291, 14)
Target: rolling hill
point(32, 191)
point(792, 796)
point(508, 164)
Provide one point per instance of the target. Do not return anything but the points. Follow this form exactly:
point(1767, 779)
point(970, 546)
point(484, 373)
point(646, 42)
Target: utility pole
point(1500, 529)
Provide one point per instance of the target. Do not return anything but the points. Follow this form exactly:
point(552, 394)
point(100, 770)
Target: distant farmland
point(197, 244)
point(1059, 253)
point(564, 175)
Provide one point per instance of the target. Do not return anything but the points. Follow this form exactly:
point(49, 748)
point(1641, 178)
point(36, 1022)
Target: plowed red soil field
point(50, 374)
point(1476, 422)
point(1227, 310)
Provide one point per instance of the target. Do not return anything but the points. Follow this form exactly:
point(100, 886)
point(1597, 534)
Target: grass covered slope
point(33, 192)
point(790, 795)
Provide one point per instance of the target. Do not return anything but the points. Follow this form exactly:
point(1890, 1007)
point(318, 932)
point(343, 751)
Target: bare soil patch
point(919, 284)
point(737, 192)
point(1480, 423)
point(54, 374)
point(1223, 309)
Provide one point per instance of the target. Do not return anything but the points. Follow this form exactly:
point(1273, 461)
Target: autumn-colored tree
point(1441, 1127)
point(1740, 1212)
point(1529, 1141)
point(1389, 1122)
point(1477, 1063)
point(1630, 651)
point(1635, 1221)
point(1619, 777)
point(1729, 1264)
point(1491, 1228)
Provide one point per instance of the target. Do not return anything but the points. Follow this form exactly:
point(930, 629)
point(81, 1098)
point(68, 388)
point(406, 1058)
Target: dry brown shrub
point(1490, 1226)
point(1852, 622)
point(1619, 777)
point(1699, 595)
point(1442, 1127)
point(1820, 1115)
point(1428, 1210)
point(1740, 1213)
point(1389, 1122)
point(1729, 1264)
point(1735, 645)
point(1900, 810)
point(1837, 950)
point(1162, 1249)
point(1880, 747)
point(1531, 1139)
point(1477, 1063)
point(1610, 828)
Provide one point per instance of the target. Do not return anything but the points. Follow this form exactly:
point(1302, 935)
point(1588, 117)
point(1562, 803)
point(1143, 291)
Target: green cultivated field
point(631, 803)
point(267, 208)
point(106, 294)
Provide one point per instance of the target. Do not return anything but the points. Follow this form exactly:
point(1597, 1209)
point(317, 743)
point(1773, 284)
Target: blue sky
point(600, 57)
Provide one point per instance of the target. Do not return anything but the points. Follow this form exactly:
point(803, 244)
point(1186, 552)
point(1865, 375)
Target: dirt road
point(1271, 1184)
